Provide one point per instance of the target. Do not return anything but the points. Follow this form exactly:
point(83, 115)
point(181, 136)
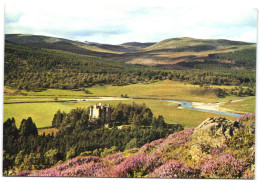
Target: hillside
point(192, 44)
point(30, 68)
point(48, 42)
point(24, 66)
point(175, 53)
point(85, 48)
point(217, 148)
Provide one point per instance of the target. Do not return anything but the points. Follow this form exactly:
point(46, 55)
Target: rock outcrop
point(252, 128)
point(212, 133)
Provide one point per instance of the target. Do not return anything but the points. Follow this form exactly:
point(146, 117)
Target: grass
point(175, 115)
point(187, 41)
point(246, 105)
point(47, 131)
point(163, 89)
point(56, 92)
point(42, 113)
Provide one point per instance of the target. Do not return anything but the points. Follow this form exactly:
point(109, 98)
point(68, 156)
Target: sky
point(115, 24)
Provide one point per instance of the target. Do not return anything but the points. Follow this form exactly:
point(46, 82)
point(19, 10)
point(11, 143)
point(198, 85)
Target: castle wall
point(101, 112)
point(96, 112)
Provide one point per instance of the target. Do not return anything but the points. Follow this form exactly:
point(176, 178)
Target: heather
point(77, 135)
point(170, 157)
point(175, 169)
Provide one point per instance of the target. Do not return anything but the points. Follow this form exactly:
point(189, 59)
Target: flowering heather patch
point(156, 142)
point(220, 162)
point(77, 161)
point(149, 146)
point(249, 175)
point(84, 170)
point(177, 139)
point(64, 168)
point(175, 169)
point(23, 173)
point(223, 166)
point(247, 116)
point(216, 151)
point(136, 163)
point(115, 158)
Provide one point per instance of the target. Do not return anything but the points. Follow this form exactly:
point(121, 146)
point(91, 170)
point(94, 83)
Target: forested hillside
point(30, 68)
point(243, 58)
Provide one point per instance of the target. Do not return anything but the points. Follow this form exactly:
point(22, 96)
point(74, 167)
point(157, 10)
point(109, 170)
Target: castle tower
point(91, 112)
point(100, 112)
point(108, 113)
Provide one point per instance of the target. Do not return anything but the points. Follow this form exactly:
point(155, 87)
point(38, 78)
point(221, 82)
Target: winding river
point(188, 105)
point(184, 104)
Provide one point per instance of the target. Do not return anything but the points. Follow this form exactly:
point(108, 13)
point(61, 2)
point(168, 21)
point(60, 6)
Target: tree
point(71, 153)
point(28, 128)
point(132, 144)
point(158, 122)
point(19, 158)
point(8, 162)
point(10, 127)
point(57, 119)
point(51, 157)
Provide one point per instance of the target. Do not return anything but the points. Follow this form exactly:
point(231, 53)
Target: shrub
point(143, 163)
point(115, 158)
point(223, 166)
point(175, 169)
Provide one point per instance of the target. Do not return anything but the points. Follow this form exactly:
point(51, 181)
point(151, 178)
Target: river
point(184, 104)
point(188, 105)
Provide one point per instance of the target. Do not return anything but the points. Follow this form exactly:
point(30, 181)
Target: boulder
point(212, 133)
point(252, 128)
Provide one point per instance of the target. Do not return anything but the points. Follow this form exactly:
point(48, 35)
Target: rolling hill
point(171, 53)
point(174, 53)
point(85, 48)
point(194, 44)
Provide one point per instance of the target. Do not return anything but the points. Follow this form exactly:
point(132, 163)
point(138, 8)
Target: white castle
point(99, 112)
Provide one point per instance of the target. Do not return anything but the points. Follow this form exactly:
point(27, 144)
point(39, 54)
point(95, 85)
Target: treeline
point(24, 149)
point(37, 69)
point(238, 91)
point(122, 114)
point(241, 58)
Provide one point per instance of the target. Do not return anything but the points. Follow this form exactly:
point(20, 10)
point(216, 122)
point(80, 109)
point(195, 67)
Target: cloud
point(12, 14)
point(118, 24)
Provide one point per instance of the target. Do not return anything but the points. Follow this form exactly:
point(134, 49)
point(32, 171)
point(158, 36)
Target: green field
point(42, 113)
point(247, 105)
point(166, 89)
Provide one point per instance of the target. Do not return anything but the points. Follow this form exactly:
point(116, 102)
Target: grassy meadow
point(245, 106)
point(42, 113)
point(166, 89)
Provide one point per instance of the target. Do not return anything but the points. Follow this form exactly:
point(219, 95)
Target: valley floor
point(42, 106)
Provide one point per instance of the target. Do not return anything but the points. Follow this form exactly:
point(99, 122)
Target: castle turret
point(103, 113)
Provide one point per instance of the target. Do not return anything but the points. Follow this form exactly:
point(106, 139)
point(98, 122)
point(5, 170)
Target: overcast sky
point(119, 24)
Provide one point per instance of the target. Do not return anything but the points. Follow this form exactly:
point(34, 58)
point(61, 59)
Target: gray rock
point(252, 128)
point(212, 132)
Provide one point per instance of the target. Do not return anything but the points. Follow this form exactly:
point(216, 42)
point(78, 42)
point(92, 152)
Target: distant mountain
point(177, 52)
point(85, 48)
point(192, 44)
point(138, 44)
point(173, 53)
